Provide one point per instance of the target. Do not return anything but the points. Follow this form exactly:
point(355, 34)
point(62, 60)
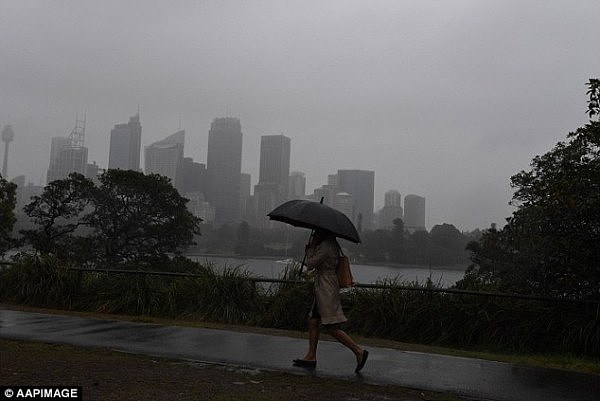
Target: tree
point(376, 245)
point(128, 217)
point(447, 245)
point(397, 252)
point(58, 212)
point(243, 239)
point(551, 244)
point(7, 214)
point(139, 218)
point(594, 97)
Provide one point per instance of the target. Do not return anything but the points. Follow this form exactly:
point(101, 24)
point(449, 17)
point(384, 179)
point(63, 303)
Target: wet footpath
point(474, 378)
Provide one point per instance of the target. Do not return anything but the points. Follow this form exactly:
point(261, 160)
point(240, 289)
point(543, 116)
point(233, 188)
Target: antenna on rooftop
point(77, 136)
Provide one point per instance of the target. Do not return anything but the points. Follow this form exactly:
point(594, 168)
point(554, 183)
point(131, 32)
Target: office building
point(25, 192)
point(198, 206)
point(297, 187)
point(327, 192)
point(193, 176)
point(92, 171)
point(275, 162)
point(361, 185)
point(165, 158)
point(224, 169)
point(68, 155)
point(274, 174)
point(414, 213)
point(391, 210)
point(344, 202)
point(246, 213)
point(125, 145)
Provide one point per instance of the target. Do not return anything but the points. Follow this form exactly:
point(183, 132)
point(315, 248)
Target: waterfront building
point(361, 185)
point(414, 213)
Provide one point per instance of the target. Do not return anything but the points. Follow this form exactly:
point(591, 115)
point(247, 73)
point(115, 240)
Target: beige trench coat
point(323, 259)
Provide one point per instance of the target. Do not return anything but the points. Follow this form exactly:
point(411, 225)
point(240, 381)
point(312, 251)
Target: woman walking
point(322, 254)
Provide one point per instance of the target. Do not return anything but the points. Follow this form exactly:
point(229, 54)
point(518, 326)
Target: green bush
point(39, 281)
point(288, 304)
point(232, 296)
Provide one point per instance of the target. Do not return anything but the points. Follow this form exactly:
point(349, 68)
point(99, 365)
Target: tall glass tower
point(274, 176)
point(224, 169)
point(125, 145)
point(166, 158)
point(361, 185)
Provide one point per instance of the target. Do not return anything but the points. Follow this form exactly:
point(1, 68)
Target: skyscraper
point(275, 162)
point(344, 202)
point(7, 136)
point(274, 176)
point(297, 187)
point(246, 212)
point(194, 176)
point(165, 157)
point(68, 155)
point(224, 168)
point(125, 145)
point(392, 209)
point(361, 185)
point(414, 212)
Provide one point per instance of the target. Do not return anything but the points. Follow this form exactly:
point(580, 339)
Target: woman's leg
point(313, 339)
point(341, 336)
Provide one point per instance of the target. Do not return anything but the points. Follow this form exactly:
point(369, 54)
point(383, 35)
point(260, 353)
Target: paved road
point(464, 376)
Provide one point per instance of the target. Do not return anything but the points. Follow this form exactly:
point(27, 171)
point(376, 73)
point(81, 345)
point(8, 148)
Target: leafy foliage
point(444, 245)
point(139, 218)
point(7, 215)
point(551, 244)
point(594, 97)
point(59, 212)
point(128, 217)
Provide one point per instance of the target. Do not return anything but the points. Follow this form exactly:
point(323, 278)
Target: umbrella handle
point(312, 232)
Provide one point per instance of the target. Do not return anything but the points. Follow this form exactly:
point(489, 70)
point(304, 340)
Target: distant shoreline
point(393, 265)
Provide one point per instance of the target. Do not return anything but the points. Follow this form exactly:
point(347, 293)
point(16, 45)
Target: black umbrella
point(315, 215)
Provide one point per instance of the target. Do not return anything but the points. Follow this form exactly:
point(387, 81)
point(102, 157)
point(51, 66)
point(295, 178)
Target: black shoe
point(362, 362)
point(304, 363)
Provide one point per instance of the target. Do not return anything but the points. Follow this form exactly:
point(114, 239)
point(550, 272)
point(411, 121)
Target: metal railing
point(357, 285)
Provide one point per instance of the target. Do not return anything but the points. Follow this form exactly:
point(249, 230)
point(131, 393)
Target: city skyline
point(350, 191)
point(446, 100)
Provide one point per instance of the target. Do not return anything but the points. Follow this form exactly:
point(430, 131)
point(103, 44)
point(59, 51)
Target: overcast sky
point(444, 99)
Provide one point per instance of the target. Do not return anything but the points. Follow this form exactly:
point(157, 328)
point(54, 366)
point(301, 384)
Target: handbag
point(343, 272)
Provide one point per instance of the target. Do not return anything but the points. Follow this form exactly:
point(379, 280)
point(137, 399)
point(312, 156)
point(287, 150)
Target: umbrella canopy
point(314, 215)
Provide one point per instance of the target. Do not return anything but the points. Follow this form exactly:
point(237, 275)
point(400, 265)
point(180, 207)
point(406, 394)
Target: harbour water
point(364, 274)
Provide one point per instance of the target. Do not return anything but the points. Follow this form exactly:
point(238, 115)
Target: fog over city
point(444, 99)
